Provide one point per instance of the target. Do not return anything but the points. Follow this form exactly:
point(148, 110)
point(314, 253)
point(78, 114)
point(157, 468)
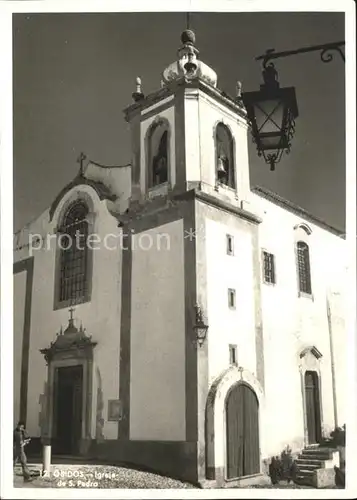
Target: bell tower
point(190, 188)
point(188, 134)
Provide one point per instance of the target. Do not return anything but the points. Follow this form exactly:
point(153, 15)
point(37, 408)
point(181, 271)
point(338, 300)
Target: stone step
point(315, 456)
point(307, 466)
point(314, 459)
point(305, 472)
point(316, 451)
point(309, 461)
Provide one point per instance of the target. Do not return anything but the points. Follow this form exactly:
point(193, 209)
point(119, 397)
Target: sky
point(73, 74)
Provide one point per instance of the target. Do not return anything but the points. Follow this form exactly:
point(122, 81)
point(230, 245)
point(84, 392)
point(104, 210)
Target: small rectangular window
point(231, 298)
point(233, 354)
point(230, 248)
point(269, 268)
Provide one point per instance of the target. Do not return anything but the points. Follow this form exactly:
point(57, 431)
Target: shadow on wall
point(99, 436)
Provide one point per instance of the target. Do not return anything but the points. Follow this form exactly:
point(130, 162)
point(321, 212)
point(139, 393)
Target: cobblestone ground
point(96, 476)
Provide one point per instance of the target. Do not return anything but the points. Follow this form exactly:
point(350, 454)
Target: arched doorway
point(312, 398)
point(242, 432)
point(68, 411)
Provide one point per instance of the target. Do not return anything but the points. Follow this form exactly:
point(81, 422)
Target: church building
point(169, 315)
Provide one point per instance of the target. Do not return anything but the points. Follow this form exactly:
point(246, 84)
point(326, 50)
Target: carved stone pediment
point(72, 343)
point(311, 349)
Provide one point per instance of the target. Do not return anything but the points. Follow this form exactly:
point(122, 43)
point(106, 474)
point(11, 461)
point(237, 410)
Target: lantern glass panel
point(270, 142)
point(269, 116)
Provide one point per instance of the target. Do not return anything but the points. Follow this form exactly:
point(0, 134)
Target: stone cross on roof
point(71, 328)
point(80, 160)
point(71, 311)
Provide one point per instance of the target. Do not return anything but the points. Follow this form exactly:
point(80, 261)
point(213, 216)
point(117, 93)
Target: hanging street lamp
point(272, 110)
point(200, 327)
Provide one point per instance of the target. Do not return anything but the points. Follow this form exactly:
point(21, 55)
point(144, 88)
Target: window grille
point(269, 267)
point(304, 271)
point(73, 281)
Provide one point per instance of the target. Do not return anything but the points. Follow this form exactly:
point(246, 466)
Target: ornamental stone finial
point(239, 98)
point(239, 89)
point(80, 160)
point(138, 94)
point(188, 37)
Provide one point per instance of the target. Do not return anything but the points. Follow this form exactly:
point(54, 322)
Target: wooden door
point(312, 398)
point(77, 411)
point(242, 420)
point(68, 409)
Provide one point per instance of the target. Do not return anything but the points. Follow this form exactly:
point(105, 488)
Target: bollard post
point(46, 459)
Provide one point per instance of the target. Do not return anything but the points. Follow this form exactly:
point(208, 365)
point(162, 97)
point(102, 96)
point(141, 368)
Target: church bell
point(220, 168)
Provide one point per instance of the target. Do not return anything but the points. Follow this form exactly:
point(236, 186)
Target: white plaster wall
point(192, 137)
point(340, 352)
point(19, 316)
point(117, 180)
point(157, 376)
point(169, 114)
point(100, 316)
point(202, 114)
point(291, 323)
point(227, 326)
point(105, 312)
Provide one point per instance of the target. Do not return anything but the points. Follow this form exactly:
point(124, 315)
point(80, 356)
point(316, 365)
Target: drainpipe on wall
point(332, 359)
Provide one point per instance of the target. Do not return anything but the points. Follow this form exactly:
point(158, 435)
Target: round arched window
point(158, 154)
point(224, 156)
point(73, 282)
